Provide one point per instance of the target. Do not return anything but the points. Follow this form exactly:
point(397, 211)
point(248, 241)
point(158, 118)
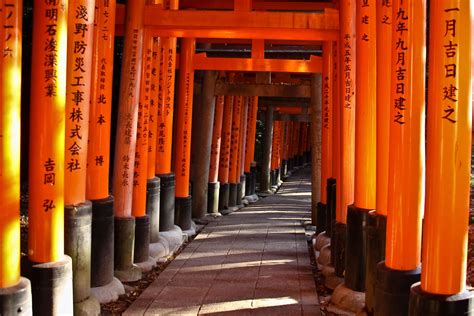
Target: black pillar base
point(253, 188)
point(339, 248)
point(183, 215)
point(248, 183)
point(142, 239)
point(426, 304)
point(167, 200)
point(16, 300)
point(299, 161)
point(331, 206)
point(224, 196)
point(213, 197)
point(321, 218)
point(243, 184)
point(291, 164)
point(77, 245)
point(102, 256)
point(284, 168)
point(238, 200)
point(375, 251)
point(278, 176)
point(273, 180)
point(51, 287)
point(233, 187)
point(308, 156)
point(124, 244)
point(354, 277)
point(153, 187)
point(392, 290)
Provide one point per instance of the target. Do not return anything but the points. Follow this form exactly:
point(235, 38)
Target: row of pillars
point(82, 241)
point(395, 193)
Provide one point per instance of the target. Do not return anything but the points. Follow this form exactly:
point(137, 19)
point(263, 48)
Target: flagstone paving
point(252, 262)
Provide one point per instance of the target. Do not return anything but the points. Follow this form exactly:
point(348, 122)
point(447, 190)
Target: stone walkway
point(253, 261)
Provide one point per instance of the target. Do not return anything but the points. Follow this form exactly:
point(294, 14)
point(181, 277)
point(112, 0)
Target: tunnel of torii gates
point(337, 83)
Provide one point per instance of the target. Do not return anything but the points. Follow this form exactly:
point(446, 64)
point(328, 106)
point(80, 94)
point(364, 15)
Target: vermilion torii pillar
point(336, 153)
point(250, 150)
point(78, 211)
point(365, 145)
point(15, 291)
point(445, 233)
point(165, 127)
point(224, 163)
point(153, 182)
point(326, 135)
point(46, 161)
point(214, 185)
point(376, 221)
point(125, 143)
point(234, 170)
point(286, 145)
point(183, 135)
point(406, 160)
point(265, 178)
point(203, 118)
point(98, 155)
point(139, 193)
point(242, 147)
point(347, 80)
point(316, 148)
point(274, 158)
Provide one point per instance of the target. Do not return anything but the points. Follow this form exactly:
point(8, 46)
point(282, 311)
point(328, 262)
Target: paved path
point(253, 261)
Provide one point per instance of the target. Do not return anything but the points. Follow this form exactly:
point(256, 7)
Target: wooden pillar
point(10, 124)
point(345, 189)
point(78, 211)
point(125, 144)
point(214, 185)
point(332, 183)
point(326, 134)
point(183, 134)
point(98, 153)
point(316, 148)
point(251, 133)
point(165, 127)
point(445, 226)
point(140, 173)
point(234, 171)
point(78, 87)
point(216, 140)
point(274, 157)
point(265, 181)
point(242, 147)
point(226, 146)
point(406, 158)
point(376, 221)
point(46, 156)
point(46, 165)
point(365, 145)
point(249, 168)
point(201, 146)
point(153, 185)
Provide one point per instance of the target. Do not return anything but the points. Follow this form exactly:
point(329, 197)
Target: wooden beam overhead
point(257, 5)
point(292, 117)
point(314, 65)
point(264, 90)
point(282, 103)
point(246, 25)
point(154, 16)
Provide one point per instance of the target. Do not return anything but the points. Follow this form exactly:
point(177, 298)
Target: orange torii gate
point(15, 289)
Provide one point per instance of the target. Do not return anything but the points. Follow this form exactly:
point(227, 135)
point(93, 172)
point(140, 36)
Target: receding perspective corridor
point(253, 261)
